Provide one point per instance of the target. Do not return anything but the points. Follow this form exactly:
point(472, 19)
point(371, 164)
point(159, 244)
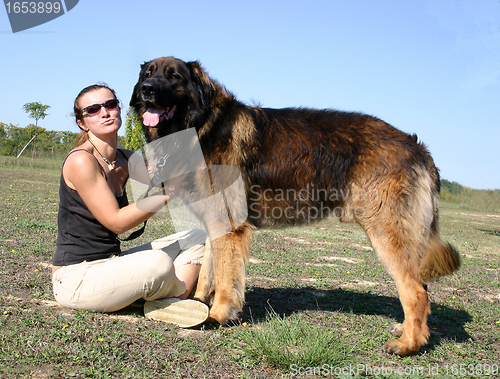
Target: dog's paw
point(218, 316)
point(224, 313)
point(204, 296)
point(399, 348)
point(396, 330)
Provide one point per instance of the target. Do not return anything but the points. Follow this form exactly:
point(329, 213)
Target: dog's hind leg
point(229, 256)
point(414, 330)
point(402, 266)
point(405, 234)
point(398, 221)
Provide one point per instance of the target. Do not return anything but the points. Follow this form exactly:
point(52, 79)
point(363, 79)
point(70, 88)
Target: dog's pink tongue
point(152, 116)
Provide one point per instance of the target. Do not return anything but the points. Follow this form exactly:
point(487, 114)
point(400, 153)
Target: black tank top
point(80, 236)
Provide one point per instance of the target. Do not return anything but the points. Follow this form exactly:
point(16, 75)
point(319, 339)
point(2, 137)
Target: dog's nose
point(148, 89)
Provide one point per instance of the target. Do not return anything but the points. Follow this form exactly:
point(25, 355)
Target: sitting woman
point(90, 271)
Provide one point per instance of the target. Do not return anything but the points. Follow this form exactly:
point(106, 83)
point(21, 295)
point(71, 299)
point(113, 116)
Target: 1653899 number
point(30, 13)
point(472, 369)
point(33, 7)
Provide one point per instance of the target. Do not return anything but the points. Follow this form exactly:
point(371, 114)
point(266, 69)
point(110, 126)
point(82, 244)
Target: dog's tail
point(440, 259)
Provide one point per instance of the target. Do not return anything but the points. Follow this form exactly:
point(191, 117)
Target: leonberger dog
point(300, 165)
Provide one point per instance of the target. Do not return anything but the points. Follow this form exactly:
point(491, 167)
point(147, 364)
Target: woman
point(89, 270)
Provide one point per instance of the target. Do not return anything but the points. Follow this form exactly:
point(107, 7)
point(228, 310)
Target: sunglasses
point(95, 109)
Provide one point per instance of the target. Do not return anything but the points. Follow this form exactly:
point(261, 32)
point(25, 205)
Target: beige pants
point(146, 271)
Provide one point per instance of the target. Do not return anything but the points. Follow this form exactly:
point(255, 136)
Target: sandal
point(183, 313)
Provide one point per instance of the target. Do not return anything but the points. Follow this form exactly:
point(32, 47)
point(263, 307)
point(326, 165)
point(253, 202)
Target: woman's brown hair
point(78, 112)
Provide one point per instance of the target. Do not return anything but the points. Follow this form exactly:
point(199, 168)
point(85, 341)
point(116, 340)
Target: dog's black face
point(168, 90)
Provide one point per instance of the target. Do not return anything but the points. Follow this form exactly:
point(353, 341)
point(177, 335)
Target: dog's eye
point(148, 74)
point(175, 76)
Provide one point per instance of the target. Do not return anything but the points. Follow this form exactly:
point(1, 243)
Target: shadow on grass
point(491, 232)
point(444, 322)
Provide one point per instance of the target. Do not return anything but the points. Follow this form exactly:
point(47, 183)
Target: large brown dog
point(300, 165)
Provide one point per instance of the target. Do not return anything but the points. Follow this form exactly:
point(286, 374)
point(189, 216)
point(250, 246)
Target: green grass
point(315, 296)
point(293, 341)
point(41, 163)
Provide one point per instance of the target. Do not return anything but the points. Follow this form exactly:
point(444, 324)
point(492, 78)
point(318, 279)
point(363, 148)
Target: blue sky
point(426, 67)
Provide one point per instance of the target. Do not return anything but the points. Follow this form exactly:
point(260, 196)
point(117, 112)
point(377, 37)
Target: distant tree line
point(483, 200)
point(453, 188)
point(44, 143)
point(49, 144)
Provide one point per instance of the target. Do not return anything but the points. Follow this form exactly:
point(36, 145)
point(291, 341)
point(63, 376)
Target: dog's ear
point(198, 72)
point(204, 87)
point(135, 93)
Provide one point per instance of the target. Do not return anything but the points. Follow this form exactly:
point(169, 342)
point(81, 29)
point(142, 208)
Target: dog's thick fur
point(299, 165)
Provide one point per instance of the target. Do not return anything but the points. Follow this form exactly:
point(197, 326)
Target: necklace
point(110, 164)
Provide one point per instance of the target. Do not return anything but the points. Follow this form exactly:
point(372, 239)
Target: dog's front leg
point(205, 288)
point(229, 258)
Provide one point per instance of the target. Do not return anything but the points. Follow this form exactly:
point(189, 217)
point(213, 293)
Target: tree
point(134, 137)
point(13, 135)
point(35, 110)
point(3, 132)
